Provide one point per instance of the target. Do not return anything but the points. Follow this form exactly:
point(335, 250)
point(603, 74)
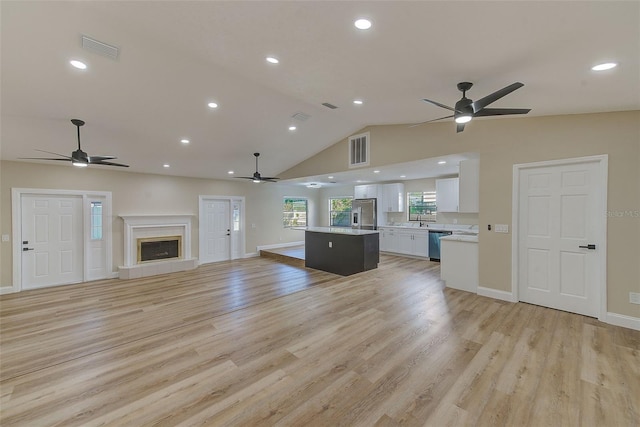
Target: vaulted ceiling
point(176, 57)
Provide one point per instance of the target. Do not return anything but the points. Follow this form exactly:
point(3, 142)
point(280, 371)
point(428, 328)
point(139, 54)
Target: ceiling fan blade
point(244, 177)
point(57, 154)
point(483, 102)
point(439, 105)
point(501, 111)
point(269, 178)
point(459, 127)
point(429, 121)
point(43, 158)
point(101, 158)
point(108, 164)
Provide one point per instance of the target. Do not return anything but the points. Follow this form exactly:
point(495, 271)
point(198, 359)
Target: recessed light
point(292, 128)
point(272, 60)
point(166, 165)
point(403, 176)
point(212, 105)
point(231, 172)
point(362, 24)
point(605, 66)
point(184, 141)
point(78, 64)
point(330, 177)
point(376, 171)
point(357, 101)
point(359, 180)
point(442, 162)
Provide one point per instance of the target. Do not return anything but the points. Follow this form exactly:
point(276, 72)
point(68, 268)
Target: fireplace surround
point(156, 228)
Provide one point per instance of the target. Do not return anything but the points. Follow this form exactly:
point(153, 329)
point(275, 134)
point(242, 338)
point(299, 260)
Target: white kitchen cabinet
point(388, 240)
point(459, 264)
point(393, 197)
point(411, 242)
point(469, 187)
point(368, 191)
point(447, 194)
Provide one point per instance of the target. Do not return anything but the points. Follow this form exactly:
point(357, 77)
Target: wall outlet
point(502, 228)
point(634, 297)
point(5, 237)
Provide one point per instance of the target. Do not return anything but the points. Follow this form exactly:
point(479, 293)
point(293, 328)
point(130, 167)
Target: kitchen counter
point(460, 238)
point(341, 251)
point(339, 230)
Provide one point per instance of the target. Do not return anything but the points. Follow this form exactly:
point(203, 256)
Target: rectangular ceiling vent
point(326, 104)
point(100, 48)
point(359, 150)
point(300, 116)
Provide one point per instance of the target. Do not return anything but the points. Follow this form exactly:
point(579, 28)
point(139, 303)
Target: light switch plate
point(634, 297)
point(5, 237)
point(502, 228)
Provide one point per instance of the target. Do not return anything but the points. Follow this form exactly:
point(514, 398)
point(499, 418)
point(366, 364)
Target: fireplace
point(156, 244)
point(159, 248)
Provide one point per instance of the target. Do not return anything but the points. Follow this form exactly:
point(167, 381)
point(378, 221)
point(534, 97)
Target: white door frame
point(16, 225)
point(602, 162)
point(230, 199)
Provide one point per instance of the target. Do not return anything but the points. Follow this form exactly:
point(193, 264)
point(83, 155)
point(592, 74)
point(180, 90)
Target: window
point(96, 220)
point(294, 212)
point(422, 206)
point(340, 211)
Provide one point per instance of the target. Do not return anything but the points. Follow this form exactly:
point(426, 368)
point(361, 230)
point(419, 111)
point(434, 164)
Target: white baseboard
point(251, 255)
point(279, 245)
point(6, 290)
point(495, 293)
point(623, 320)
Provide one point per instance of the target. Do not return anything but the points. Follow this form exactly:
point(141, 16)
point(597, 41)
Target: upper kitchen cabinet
point(460, 194)
point(370, 191)
point(393, 197)
point(469, 191)
point(447, 194)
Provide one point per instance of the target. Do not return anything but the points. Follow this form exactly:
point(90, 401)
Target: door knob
point(27, 249)
point(589, 246)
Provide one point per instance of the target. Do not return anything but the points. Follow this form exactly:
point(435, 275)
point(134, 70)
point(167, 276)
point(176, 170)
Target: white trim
point(7, 290)
point(496, 294)
point(603, 168)
point(279, 245)
point(251, 255)
point(230, 199)
point(16, 228)
point(623, 320)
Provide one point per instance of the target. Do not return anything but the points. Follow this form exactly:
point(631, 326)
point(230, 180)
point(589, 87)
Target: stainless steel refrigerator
point(363, 214)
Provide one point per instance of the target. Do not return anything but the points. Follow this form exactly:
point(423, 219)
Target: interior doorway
point(559, 238)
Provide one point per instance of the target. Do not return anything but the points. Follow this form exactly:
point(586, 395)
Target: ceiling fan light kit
point(466, 109)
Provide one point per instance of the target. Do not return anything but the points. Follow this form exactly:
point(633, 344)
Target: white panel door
point(217, 231)
point(558, 221)
point(52, 240)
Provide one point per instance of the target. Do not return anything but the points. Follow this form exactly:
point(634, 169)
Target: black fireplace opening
point(160, 249)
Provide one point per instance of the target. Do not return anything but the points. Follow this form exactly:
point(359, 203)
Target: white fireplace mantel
point(144, 226)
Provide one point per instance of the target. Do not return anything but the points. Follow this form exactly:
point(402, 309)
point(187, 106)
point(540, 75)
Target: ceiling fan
point(466, 109)
point(78, 157)
point(256, 176)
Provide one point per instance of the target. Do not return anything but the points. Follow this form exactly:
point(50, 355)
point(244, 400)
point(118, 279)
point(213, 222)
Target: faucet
point(420, 221)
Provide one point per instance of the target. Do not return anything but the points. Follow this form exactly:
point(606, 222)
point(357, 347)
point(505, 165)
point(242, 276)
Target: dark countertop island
point(343, 251)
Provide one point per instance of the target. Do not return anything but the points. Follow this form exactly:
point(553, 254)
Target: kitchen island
point(459, 262)
point(343, 251)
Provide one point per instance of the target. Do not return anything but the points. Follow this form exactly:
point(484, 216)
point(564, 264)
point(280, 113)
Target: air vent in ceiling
point(99, 47)
point(359, 150)
point(326, 104)
point(300, 116)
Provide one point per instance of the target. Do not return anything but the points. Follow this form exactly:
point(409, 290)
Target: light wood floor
point(255, 342)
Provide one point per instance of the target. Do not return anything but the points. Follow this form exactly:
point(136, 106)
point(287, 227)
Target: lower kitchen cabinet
point(405, 241)
point(459, 263)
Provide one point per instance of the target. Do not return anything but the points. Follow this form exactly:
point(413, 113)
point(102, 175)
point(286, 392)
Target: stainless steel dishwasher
point(434, 243)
